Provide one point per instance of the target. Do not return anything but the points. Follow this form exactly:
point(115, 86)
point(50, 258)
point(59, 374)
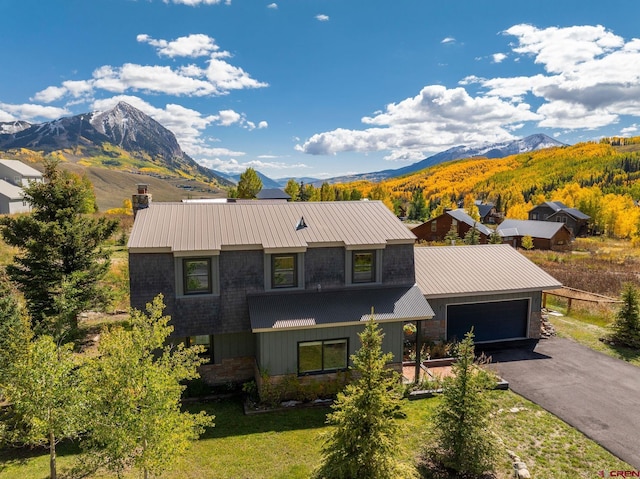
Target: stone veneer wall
point(232, 370)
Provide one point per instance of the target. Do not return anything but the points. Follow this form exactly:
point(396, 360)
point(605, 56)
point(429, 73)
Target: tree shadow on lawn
point(11, 457)
point(231, 421)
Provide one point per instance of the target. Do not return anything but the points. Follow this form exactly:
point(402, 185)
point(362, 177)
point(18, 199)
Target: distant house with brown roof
point(437, 228)
point(545, 234)
point(555, 211)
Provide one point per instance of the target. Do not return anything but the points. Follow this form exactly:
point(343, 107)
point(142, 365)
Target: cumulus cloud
point(322, 17)
point(630, 130)
point(588, 78)
point(214, 77)
point(196, 45)
point(273, 6)
point(498, 57)
point(30, 111)
point(233, 166)
point(437, 117)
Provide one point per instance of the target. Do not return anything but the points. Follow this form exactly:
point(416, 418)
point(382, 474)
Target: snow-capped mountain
point(493, 150)
point(123, 126)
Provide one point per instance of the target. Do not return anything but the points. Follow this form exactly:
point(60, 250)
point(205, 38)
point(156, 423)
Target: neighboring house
point(278, 287)
point(575, 220)
point(272, 194)
point(545, 235)
point(17, 173)
point(492, 288)
point(488, 213)
point(13, 176)
point(437, 228)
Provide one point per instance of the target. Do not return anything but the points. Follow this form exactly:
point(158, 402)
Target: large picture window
point(284, 271)
point(364, 267)
point(197, 275)
point(322, 356)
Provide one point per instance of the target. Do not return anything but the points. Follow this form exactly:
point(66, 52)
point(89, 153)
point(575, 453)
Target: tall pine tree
point(365, 439)
point(61, 260)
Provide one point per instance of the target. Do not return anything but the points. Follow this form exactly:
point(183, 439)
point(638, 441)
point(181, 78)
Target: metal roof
point(449, 271)
point(10, 191)
point(184, 227)
point(274, 312)
point(485, 208)
point(272, 194)
point(535, 229)
point(21, 168)
point(461, 215)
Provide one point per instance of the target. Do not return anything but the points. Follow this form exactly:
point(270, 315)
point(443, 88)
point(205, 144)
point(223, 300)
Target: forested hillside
point(601, 179)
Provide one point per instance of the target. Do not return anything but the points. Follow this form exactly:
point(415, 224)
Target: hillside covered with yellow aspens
point(601, 179)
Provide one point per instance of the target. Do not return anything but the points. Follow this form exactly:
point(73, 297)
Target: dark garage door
point(490, 321)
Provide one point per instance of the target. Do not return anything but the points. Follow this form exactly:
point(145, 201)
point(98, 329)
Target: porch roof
point(304, 309)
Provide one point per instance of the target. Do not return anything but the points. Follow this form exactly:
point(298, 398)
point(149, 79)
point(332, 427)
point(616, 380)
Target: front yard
point(286, 445)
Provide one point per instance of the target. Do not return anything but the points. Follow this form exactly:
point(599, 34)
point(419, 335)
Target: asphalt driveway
point(596, 394)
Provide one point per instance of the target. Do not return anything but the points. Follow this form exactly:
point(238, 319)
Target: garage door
point(493, 321)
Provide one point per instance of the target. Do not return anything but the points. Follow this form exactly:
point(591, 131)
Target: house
point(488, 213)
point(273, 194)
point(575, 220)
point(492, 288)
point(280, 287)
point(13, 176)
point(545, 235)
point(437, 228)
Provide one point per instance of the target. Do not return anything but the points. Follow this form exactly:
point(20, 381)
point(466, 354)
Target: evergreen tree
point(356, 194)
point(452, 235)
point(626, 327)
point(418, 206)
point(495, 238)
point(326, 192)
point(365, 439)
point(14, 330)
point(472, 236)
point(463, 441)
point(61, 261)
point(135, 389)
point(249, 184)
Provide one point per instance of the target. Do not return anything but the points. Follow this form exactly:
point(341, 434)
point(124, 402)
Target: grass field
point(286, 445)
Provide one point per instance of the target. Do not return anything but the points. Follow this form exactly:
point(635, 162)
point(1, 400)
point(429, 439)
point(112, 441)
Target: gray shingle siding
point(398, 265)
point(152, 273)
point(325, 267)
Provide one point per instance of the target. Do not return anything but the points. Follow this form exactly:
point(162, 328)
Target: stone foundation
point(535, 321)
point(234, 370)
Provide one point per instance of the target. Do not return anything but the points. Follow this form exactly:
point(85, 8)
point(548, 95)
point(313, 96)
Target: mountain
point(266, 181)
point(494, 150)
point(100, 138)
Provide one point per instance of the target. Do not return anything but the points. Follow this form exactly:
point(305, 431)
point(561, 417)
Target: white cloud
point(322, 17)
point(30, 111)
point(228, 117)
point(435, 118)
point(448, 40)
point(233, 166)
point(630, 130)
point(263, 124)
point(50, 94)
point(195, 45)
point(498, 57)
point(228, 77)
point(273, 6)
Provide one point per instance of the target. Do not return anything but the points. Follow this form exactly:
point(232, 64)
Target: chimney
point(141, 200)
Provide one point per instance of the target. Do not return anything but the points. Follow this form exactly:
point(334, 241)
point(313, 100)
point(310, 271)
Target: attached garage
point(491, 321)
point(492, 288)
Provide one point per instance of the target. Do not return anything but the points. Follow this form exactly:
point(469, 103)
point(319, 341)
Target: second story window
point(197, 275)
point(364, 267)
point(284, 270)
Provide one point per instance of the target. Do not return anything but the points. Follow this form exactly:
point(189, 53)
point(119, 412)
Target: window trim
point(323, 370)
point(268, 270)
point(295, 283)
point(350, 265)
point(185, 290)
point(180, 276)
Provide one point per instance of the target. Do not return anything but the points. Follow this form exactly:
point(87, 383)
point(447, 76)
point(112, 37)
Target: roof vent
point(301, 224)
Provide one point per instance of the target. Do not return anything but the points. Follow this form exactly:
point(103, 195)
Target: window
point(534, 216)
point(322, 356)
point(284, 271)
point(202, 340)
point(434, 226)
point(363, 267)
point(197, 275)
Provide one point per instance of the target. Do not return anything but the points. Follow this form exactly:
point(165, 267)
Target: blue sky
point(328, 87)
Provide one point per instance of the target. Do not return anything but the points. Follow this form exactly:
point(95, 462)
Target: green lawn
point(286, 445)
